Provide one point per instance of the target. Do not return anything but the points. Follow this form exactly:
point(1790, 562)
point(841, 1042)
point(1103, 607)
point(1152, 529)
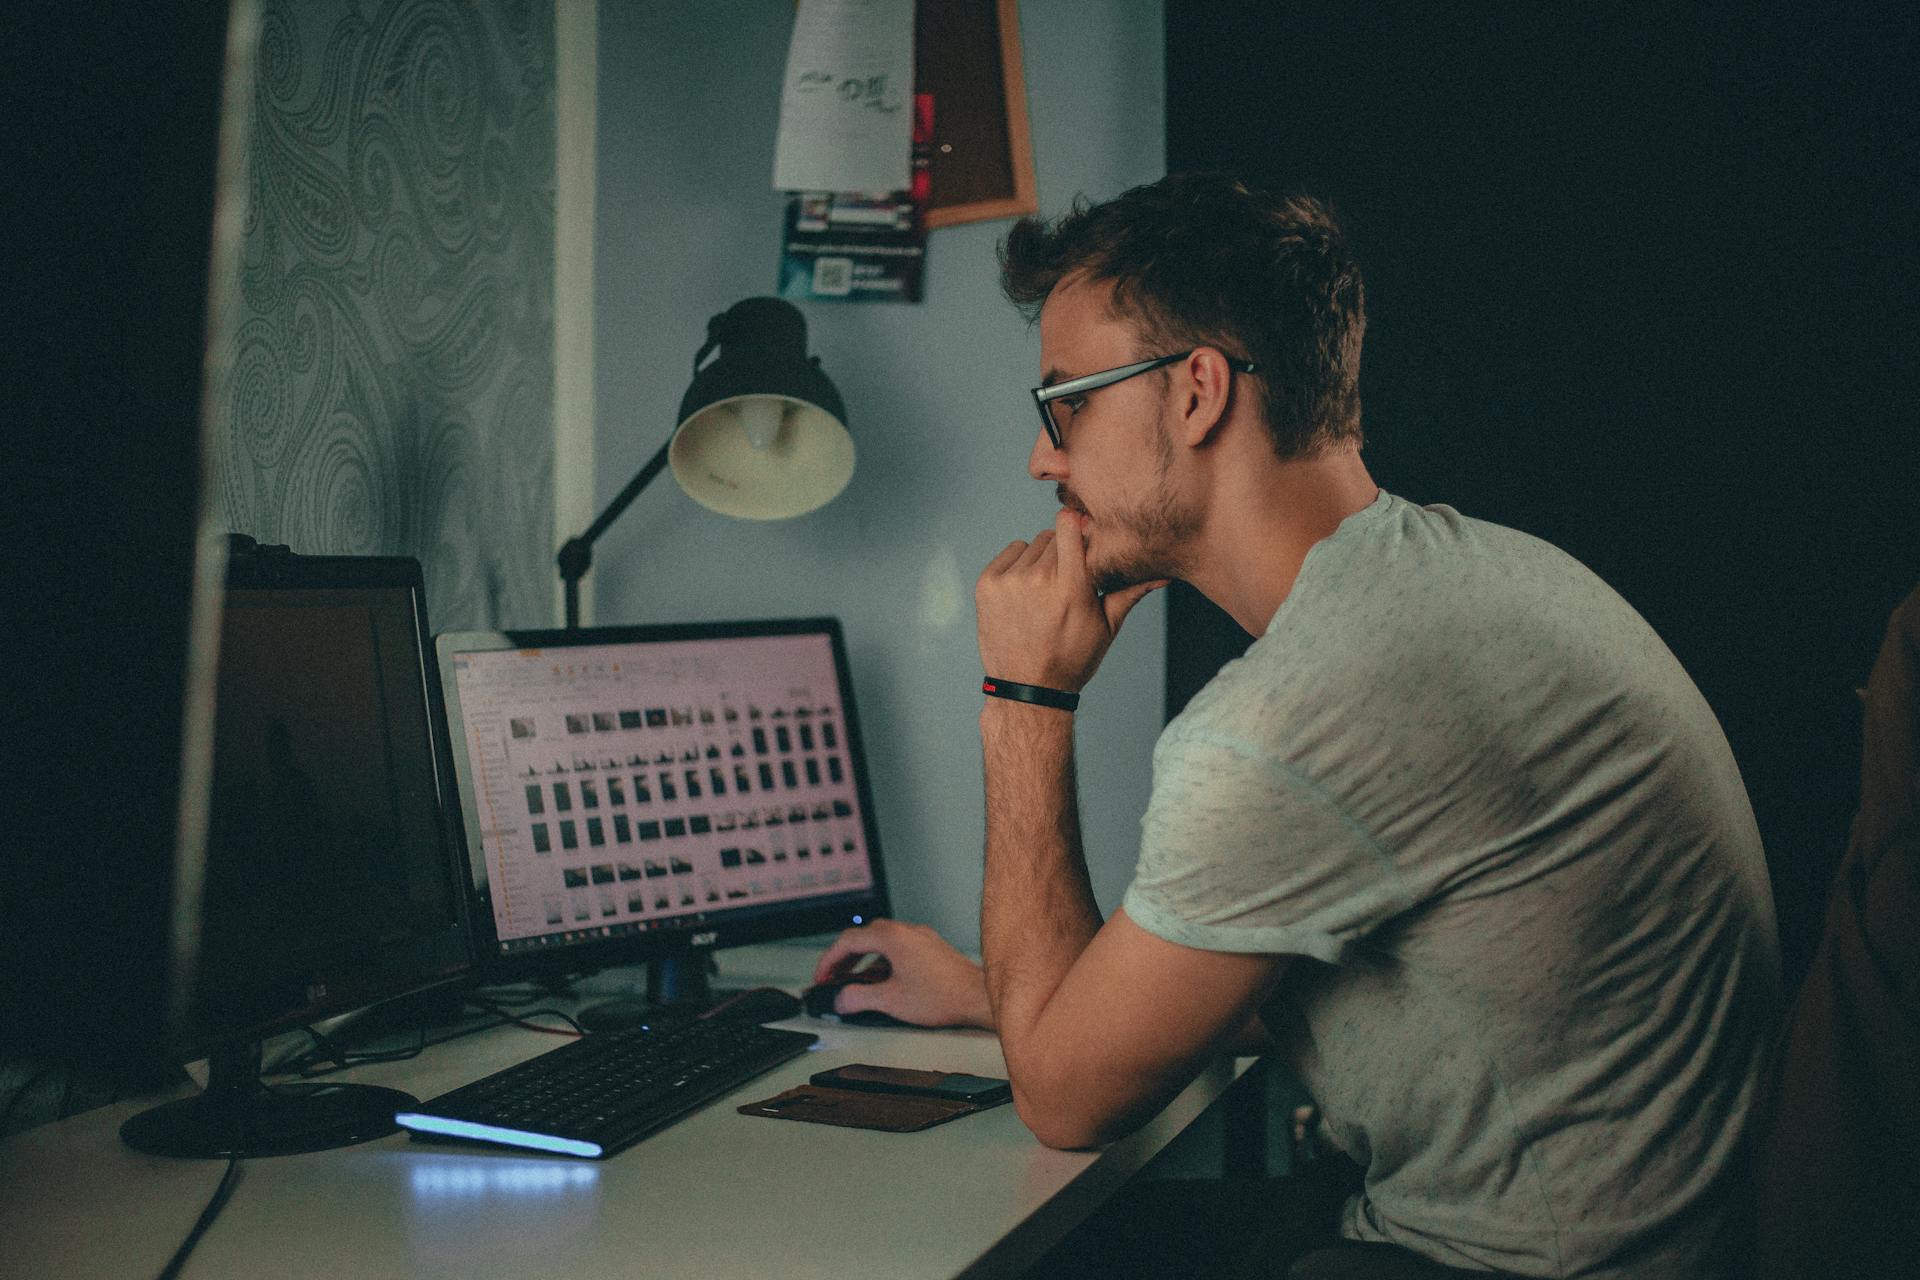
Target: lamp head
point(762, 432)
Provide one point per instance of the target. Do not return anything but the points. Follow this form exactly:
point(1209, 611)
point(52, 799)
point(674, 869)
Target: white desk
point(716, 1195)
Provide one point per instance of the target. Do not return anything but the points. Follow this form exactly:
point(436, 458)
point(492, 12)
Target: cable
point(516, 995)
point(6, 1113)
point(221, 1194)
point(521, 1020)
point(328, 1050)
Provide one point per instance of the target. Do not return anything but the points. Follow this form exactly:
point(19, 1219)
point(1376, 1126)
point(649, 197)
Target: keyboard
point(606, 1091)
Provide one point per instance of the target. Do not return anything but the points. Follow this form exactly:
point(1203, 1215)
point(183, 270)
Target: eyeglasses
point(1050, 399)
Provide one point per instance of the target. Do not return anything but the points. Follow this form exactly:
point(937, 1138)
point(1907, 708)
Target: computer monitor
point(332, 881)
point(636, 794)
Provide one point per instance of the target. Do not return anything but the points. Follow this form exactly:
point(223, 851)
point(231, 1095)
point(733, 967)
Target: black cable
point(307, 1064)
point(524, 1019)
point(6, 1114)
point(322, 1048)
point(221, 1194)
point(513, 995)
point(473, 1030)
point(328, 1050)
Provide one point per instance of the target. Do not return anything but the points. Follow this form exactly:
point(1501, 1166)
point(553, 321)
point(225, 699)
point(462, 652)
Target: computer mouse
point(818, 1001)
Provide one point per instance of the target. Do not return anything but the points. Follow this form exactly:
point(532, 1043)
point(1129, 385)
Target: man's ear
point(1206, 388)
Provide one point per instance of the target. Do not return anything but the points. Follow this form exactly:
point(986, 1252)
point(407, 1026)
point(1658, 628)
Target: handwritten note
point(846, 106)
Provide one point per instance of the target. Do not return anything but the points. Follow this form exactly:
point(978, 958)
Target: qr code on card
point(833, 277)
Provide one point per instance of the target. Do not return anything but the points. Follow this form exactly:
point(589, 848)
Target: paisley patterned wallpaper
point(391, 383)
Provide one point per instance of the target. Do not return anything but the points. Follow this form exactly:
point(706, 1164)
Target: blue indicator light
point(493, 1133)
point(859, 919)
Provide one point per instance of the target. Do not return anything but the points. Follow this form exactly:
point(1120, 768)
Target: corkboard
point(967, 55)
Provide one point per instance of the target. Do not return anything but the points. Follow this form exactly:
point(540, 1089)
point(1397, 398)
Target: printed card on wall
point(843, 103)
point(849, 247)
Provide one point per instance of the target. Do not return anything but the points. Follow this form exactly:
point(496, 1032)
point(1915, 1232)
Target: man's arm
point(1037, 912)
point(1100, 1024)
point(929, 983)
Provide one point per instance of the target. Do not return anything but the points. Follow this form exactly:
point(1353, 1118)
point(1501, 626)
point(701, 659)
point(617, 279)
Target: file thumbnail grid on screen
point(627, 787)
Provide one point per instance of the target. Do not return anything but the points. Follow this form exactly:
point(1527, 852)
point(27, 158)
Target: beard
point(1149, 534)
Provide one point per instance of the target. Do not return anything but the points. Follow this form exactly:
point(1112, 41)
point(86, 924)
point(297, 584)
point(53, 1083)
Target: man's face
point(1115, 462)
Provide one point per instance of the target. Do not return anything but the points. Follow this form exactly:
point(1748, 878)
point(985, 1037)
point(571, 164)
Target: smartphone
point(982, 1091)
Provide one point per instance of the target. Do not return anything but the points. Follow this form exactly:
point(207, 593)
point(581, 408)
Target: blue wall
point(687, 224)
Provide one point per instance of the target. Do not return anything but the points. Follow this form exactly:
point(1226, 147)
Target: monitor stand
point(240, 1115)
point(676, 983)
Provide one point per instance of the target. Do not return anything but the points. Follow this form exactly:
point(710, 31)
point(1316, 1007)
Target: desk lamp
point(762, 432)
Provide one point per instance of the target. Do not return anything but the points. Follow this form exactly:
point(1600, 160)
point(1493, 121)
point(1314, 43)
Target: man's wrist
point(1006, 711)
point(1038, 695)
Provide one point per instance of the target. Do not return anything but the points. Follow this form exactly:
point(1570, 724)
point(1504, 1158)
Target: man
point(1457, 837)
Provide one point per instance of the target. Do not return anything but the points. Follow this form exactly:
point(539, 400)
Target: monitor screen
point(331, 878)
point(631, 791)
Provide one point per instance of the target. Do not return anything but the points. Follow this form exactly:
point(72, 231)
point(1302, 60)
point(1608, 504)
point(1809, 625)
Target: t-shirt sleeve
point(1239, 852)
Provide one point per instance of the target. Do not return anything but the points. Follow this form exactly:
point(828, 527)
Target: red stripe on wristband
point(1038, 695)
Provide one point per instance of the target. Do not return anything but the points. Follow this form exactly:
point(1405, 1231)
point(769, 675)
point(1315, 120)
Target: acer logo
point(705, 939)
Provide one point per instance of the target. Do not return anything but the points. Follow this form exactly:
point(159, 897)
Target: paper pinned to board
point(846, 104)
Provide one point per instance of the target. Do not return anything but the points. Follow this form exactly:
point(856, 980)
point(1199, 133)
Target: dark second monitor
point(648, 793)
point(328, 880)
point(331, 880)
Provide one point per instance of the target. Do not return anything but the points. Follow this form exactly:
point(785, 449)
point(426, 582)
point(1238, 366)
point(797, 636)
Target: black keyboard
point(606, 1091)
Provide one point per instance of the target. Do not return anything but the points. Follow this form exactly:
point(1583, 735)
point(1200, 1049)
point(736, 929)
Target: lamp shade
point(762, 432)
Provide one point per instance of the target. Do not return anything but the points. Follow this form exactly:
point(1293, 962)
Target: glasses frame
point(1043, 397)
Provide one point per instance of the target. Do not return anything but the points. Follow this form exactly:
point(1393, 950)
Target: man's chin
point(1119, 578)
point(1132, 569)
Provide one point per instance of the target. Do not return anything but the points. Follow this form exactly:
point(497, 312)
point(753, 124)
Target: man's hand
point(929, 983)
point(1040, 620)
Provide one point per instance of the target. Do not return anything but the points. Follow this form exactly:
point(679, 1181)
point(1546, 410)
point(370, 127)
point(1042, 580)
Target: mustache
point(1065, 498)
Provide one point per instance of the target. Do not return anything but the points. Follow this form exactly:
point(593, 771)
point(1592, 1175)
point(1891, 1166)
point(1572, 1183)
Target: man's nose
point(1046, 462)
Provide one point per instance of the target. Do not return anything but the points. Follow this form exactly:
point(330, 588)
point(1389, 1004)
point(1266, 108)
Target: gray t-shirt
point(1470, 786)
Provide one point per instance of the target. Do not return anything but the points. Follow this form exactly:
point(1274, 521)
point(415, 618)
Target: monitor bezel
point(791, 920)
point(428, 963)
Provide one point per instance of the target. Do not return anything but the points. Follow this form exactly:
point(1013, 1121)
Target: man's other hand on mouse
point(931, 983)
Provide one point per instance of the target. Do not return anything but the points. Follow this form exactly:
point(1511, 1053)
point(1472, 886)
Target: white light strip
point(493, 1133)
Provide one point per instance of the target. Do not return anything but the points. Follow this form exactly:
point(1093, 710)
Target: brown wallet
point(891, 1112)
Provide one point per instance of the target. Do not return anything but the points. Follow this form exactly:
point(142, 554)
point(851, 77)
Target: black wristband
point(1038, 694)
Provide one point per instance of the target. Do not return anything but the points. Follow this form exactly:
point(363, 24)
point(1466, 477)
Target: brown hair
point(1200, 258)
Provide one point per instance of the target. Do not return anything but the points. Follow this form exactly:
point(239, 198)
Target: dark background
point(1641, 280)
point(110, 131)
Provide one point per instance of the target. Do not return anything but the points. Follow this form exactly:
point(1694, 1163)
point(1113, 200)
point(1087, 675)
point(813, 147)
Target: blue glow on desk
point(470, 1178)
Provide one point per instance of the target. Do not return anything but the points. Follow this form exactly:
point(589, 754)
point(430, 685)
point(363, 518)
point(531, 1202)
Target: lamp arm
point(576, 556)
